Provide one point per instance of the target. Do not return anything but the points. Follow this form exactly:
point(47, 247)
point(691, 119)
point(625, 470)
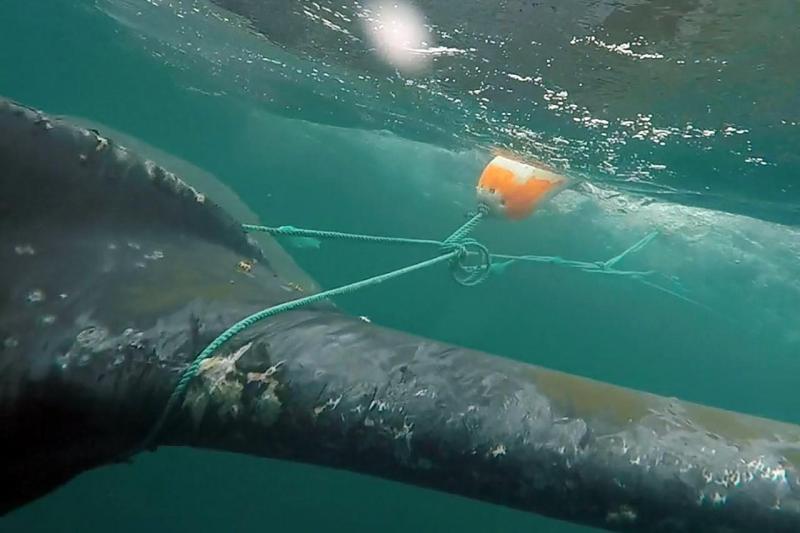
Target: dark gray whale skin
point(114, 274)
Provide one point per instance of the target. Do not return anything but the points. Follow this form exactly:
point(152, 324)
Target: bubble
point(155, 255)
point(24, 249)
point(35, 296)
point(10, 342)
point(62, 361)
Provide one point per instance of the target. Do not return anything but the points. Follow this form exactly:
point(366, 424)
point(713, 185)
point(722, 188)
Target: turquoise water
point(378, 153)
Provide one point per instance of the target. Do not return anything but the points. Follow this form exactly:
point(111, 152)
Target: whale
point(115, 273)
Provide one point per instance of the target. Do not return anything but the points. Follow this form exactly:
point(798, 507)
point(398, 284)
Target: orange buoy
point(512, 189)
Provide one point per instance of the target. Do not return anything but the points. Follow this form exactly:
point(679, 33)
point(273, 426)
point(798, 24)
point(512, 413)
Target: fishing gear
point(507, 188)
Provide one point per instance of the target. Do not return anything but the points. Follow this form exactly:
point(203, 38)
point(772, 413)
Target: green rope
point(600, 267)
point(454, 249)
point(225, 336)
point(633, 249)
point(291, 231)
point(607, 268)
point(468, 226)
point(470, 264)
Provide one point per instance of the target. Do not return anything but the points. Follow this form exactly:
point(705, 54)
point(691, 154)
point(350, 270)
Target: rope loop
point(472, 264)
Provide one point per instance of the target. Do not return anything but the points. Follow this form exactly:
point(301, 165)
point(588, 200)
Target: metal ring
point(473, 263)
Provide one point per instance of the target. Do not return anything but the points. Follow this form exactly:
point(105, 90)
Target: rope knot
point(454, 246)
point(472, 262)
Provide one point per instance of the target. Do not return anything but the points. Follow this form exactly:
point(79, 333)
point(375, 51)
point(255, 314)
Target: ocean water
point(673, 116)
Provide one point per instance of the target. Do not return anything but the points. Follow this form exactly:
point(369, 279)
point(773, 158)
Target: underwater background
point(681, 117)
